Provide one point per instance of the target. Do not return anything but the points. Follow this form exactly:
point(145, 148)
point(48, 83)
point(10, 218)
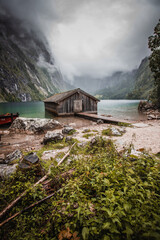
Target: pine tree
point(154, 45)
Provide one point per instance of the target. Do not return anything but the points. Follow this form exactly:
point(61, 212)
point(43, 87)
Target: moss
point(122, 124)
point(86, 131)
point(72, 132)
point(107, 132)
point(88, 135)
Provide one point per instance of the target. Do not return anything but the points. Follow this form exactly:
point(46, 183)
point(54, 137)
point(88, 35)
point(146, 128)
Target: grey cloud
point(93, 37)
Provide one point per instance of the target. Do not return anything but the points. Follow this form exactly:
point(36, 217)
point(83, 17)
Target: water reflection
point(121, 109)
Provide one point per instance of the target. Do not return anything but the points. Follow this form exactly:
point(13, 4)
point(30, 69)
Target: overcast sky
point(92, 37)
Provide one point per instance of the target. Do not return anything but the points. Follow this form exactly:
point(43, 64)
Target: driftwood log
point(40, 181)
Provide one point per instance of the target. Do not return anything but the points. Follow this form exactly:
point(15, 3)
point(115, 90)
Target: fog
point(90, 37)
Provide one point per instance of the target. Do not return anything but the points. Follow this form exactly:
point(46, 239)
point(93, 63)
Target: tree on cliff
point(154, 45)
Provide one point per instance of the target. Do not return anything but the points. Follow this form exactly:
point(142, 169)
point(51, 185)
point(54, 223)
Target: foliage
point(108, 196)
point(154, 45)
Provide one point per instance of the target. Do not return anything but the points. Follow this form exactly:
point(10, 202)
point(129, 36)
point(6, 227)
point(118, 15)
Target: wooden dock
point(95, 117)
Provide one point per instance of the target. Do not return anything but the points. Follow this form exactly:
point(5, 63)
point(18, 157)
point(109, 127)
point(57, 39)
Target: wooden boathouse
point(71, 102)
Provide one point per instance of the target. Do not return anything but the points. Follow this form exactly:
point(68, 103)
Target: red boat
point(8, 118)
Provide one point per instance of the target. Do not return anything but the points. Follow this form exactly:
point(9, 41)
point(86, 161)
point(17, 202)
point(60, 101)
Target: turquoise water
point(122, 109)
point(25, 109)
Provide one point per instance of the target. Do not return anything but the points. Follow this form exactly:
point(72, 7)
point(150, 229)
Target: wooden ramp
point(95, 117)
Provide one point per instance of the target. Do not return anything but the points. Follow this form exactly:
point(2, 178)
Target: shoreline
point(143, 135)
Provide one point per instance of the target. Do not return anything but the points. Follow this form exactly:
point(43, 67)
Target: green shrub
point(107, 197)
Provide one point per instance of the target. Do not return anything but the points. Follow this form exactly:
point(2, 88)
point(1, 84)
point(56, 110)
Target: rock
point(34, 125)
point(93, 142)
point(68, 130)
point(68, 139)
point(7, 170)
point(82, 144)
point(31, 158)
point(86, 130)
point(145, 106)
point(115, 132)
point(151, 117)
point(135, 153)
point(140, 125)
point(2, 158)
point(24, 166)
point(100, 121)
point(72, 124)
point(13, 156)
point(52, 136)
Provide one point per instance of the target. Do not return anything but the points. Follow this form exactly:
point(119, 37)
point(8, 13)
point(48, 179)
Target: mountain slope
point(27, 69)
point(137, 84)
point(144, 82)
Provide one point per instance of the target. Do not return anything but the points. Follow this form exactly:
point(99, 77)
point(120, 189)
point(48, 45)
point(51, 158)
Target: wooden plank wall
point(67, 105)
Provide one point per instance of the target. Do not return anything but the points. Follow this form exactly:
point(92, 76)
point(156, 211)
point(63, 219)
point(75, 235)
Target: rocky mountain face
point(137, 84)
point(143, 83)
point(27, 69)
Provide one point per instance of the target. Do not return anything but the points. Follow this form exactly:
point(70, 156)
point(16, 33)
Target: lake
point(121, 109)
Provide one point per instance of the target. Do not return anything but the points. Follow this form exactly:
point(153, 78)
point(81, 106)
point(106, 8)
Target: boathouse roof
point(58, 97)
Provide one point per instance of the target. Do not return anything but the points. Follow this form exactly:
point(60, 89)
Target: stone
point(100, 121)
point(135, 153)
point(13, 156)
point(34, 125)
point(68, 139)
point(24, 166)
point(2, 158)
point(86, 130)
point(93, 141)
point(151, 116)
point(7, 170)
point(140, 125)
point(145, 106)
point(82, 144)
point(52, 136)
point(115, 132)
point(31, 158)
point(52, 153)
point(68, 130)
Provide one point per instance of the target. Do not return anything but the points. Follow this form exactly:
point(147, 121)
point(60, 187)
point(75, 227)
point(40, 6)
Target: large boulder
point(34, 125)
point(52, 136)
point(145, 106)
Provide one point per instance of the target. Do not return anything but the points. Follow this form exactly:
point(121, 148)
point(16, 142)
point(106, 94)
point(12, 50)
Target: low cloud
point(94, 37)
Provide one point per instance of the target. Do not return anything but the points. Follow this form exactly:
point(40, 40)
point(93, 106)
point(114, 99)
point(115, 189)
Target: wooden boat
point(8, 118)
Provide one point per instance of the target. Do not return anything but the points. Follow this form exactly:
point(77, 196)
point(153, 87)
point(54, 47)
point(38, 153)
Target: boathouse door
point(77, 105)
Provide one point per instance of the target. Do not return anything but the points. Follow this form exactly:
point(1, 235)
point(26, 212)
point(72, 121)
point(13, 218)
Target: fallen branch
point(20, 196)
point(66, 155)
point(41, 180)
point(27, 208)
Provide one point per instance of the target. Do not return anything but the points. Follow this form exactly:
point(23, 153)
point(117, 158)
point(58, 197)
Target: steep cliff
point(144, 82)
point(27, 69)
point(137, 84)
